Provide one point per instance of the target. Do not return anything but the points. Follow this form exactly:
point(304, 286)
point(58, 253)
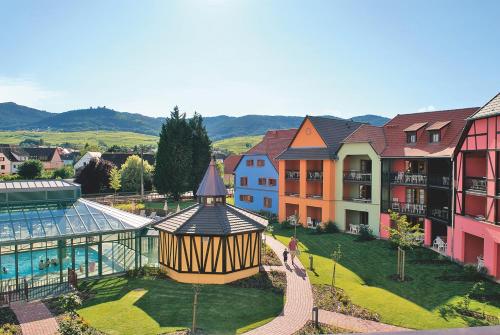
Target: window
point(366, 166)
point(2, 167)
point(268, 202)
point(260, 162)
point(2, 159)
point(262, 181)
point(250, 162)
point(246, 198)
point(434, 137)
point(411, 137)
point(365, 192)
point(271, 182)
point(243, 181)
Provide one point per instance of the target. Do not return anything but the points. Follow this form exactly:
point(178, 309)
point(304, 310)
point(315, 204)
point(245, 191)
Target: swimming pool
point(29, 261)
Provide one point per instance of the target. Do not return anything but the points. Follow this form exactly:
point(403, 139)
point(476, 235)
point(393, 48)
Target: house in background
point(68, 156)
point(50, 158)
point(85, 159)
point(12, 156)
point(475, 236)
point(307, 170)
point(119, 158)
point(229, 165)
point(417, 179)
point(256, 175)
point(359, 178)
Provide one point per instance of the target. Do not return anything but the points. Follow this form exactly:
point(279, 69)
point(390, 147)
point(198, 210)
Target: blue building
point(256, 175)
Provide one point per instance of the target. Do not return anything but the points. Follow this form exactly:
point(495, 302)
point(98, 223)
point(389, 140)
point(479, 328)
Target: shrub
point(471, 272)
point(70, 302)
point(10, 329)
point(75, 325)
point(365, 233)
point(285, 224)
point(30, 169)
point(331, 227)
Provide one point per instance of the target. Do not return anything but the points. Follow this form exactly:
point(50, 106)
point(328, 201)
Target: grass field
point(238, 145)
point(124, 306)
point(364, 273)
point(108, 138)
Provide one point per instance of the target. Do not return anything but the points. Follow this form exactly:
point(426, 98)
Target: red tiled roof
point(230, 163)
point(369, 134)
point(438, 125)
point(395, 136)
point(415, 126)
point(273, 144)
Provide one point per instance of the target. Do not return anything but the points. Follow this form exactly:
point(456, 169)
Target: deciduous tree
point(94, 177)
point(30, 169)
point(131, 174)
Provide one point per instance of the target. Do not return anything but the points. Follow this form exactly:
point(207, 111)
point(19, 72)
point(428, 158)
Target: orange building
point(307, 170)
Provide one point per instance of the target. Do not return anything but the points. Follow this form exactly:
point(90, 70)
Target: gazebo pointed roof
point(212, 184)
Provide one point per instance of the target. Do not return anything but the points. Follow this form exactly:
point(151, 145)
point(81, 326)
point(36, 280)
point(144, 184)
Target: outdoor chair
point(395, 204)
point(142, 212)
point(152, 215)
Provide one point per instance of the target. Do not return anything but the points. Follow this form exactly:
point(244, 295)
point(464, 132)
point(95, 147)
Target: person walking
point(292, 246)
point(285, 256)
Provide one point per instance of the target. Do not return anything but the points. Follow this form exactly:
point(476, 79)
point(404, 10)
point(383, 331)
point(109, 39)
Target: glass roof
point(52, 220)
point(35, 184)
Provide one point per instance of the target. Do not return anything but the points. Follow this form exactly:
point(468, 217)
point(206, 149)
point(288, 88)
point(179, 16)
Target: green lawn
point(145, 306)
point(239, 144)
point(363, 273)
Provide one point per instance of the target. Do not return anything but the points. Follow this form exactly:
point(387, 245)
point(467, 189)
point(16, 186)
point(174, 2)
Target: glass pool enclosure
point(46, 229)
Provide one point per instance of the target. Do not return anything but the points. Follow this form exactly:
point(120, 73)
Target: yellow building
point(211, 242)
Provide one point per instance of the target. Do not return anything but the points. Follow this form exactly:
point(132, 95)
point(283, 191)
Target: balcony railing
point(408, 178)
point(315, 175)
point(475, 184)
point(292, 194)
point(314, 196)
point(440, 213)
point(292, 174)
point(358, 176)
point(408, 208)
point(364, 200)
point(441, 181)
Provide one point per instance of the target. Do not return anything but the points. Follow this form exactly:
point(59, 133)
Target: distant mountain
point(16, 117)
point(13, 115)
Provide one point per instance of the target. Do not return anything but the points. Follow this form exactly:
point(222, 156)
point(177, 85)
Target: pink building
point(476, 232)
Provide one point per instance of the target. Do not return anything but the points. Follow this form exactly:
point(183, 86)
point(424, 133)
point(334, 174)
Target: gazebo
point(210, 242)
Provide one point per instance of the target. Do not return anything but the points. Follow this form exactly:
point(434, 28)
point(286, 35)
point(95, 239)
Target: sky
point(221, 57)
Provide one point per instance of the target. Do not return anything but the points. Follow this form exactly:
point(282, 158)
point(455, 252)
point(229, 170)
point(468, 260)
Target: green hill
point(237, 145)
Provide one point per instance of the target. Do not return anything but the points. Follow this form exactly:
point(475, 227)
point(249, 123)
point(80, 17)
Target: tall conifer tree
point(201, 149)
point(174, 156)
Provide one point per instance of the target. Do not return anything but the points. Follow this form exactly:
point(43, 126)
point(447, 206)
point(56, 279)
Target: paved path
point(355, 324)
point(299, 300)
point(34, 318)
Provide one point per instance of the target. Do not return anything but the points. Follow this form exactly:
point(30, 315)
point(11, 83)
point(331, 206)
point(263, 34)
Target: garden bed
point(273, 280)
point(9, 325)
point(269, 257)
point(310, 329)
point(336, 300)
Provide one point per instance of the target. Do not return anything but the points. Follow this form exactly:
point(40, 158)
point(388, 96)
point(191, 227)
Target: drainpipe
point(452, 207)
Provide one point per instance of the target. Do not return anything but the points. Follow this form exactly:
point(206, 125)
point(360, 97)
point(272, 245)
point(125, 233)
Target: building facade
point(417, 170)
point(476, 233)
point(359, 175)
point(307, 170)
point(256, 175)
point(230, 163)
point(12, 156)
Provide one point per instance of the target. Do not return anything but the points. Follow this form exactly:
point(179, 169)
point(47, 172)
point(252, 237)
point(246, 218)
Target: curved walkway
point(34, 318)
point(355, 324)
point(299, 300)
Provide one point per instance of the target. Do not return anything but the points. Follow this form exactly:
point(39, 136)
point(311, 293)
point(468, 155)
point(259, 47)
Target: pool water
point(25, 262)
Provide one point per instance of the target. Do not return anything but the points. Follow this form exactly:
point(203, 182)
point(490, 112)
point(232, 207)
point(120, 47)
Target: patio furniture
point(152, 215)
point(354, 229)
point(142, 212)
point(293, 220)
point(395, 204)
point(480, 262)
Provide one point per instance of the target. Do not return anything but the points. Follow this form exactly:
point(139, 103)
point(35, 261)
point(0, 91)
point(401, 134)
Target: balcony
point(357, 176)
point(358, 199)
point(408, 208)
point(314, 196)
point(402, 178)
point(314, 175)
point(439, 181)
point(440, 213)
point(475, 184)
point(292, 194)
point(292, 175)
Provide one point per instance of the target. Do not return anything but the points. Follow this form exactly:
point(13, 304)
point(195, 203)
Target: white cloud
point(429, 108)
point(26, 92)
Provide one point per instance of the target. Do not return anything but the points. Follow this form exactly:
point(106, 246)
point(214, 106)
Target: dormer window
point(434, 137)
point(411, 137)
